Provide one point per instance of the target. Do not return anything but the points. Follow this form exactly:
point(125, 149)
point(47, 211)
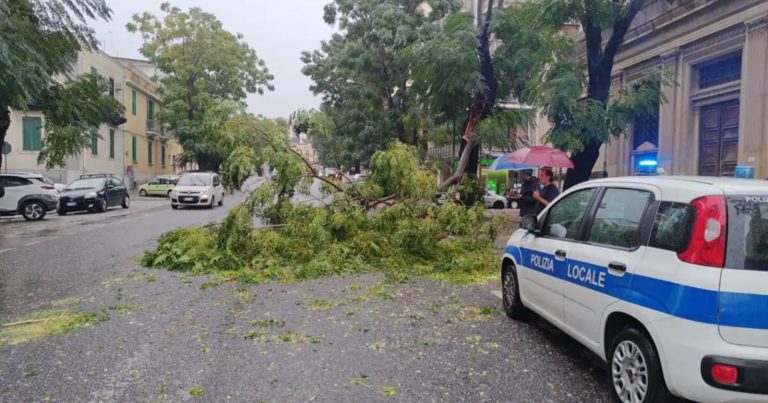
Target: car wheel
point(103, 206)
point(213, 200)
point(173, 206)
point(513, 204)
point(126, 201)
point(143, 193)
point(498, 205)
point(221, 201)
point(635, 369)
point(61, 212)
point(510, 294)
point(169, 194)
point(33, 211)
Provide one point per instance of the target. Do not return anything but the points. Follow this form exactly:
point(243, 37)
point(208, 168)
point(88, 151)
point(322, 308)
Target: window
point(111, 87)
point(94, 71)
point(672, 226)
point(133, 101)
point(720, 72)
point(216, 181)
point(134, 150)
point(162, 155)
point(15, 181)
point(150, 110)
point(149, 152)
point(94, 143)
point(617, 221)
point(32, 138)
point(564, 219)
point(747, 233)
point(111, 143)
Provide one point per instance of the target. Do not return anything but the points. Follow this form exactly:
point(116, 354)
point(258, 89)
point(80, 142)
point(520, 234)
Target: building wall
point(682, 39)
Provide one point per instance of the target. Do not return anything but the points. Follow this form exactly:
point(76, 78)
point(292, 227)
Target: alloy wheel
point(629, 371)
point(509, 289)
point(34, 211)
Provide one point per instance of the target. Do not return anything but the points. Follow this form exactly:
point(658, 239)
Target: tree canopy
point(201, 65)
point(39, 42)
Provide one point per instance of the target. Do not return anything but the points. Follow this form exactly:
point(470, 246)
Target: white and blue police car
point(665, 278)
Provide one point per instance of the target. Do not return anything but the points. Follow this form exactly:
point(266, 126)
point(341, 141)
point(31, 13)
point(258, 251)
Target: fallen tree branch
point(25, 322)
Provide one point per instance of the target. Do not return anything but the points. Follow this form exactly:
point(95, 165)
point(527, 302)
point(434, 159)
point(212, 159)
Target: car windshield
point(195, 180)
point(96, 183)
point(748, 233)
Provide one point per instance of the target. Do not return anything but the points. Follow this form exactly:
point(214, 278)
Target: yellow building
point(149, 149)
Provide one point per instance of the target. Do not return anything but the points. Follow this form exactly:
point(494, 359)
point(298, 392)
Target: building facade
point(715, 116)
point(112, 147)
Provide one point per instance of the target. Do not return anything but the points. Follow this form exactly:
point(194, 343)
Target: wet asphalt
point(173, 337)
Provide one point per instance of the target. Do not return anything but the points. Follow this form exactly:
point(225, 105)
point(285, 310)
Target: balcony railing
point(153, 128)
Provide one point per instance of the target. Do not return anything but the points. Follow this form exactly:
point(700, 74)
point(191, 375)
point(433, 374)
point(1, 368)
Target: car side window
point(14, 181)
point(216, 181)
point(619, 217)
point(115, 182)
point(564, 218)
point(672, 226)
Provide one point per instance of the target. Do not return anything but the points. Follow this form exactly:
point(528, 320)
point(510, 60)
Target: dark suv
point(95, 193)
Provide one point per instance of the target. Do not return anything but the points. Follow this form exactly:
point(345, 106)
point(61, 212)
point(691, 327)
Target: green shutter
point(133, 101)
point(150, 110)
point(31, 132)
point(111, 143)
point(149, 152)
point(94, 143)
point(133, 149)
point(162, 155)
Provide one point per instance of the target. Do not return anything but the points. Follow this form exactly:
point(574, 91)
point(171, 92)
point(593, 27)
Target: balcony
point(165, 134)
point(153, 128)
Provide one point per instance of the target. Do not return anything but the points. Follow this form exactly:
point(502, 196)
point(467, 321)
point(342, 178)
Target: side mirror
point(530, 224)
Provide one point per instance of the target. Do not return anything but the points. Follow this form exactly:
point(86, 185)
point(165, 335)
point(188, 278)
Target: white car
point(27, 194)
point(665, 278)
point(198, 189)
point(492, 200)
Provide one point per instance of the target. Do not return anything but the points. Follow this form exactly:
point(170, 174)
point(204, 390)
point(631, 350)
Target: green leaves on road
point(38, 325)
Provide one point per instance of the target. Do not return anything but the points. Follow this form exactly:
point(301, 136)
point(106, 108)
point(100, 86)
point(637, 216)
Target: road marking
point(6, 250)
point(32, 243)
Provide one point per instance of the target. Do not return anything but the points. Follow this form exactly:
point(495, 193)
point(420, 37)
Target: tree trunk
point(5, 123)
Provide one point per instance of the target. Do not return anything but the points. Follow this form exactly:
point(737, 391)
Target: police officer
point(548, 190)
point(526, 202)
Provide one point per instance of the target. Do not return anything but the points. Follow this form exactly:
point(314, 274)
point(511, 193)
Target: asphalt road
point(171, 337)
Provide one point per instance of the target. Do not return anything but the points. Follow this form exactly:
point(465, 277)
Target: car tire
point(173, 206)
point(213, 201)
point(645, 369)
point(33, 210)
point(143, 193)
point(510, 294)
point(168, 195)
point(126, 201)
point(513, 205)
point(103, 205)
point(221, 201)
point(498, 205)
point(61, 212)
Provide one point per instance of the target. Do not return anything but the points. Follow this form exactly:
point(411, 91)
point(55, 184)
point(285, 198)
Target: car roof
point(687, 188)
point(22, 174)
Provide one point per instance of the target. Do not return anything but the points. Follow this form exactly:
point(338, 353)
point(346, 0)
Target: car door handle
point(560, 254)
point(616, 266)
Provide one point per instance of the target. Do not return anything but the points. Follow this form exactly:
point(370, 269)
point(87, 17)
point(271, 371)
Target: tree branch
point(620, 28)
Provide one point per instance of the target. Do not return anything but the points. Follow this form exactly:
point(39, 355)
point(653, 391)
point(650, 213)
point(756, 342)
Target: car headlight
point(91, 195)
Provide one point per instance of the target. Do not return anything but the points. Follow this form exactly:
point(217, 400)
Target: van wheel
point(635, 369)
point(510, 294)
point(33, 211)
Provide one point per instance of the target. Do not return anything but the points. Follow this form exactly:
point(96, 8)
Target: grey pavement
point(173, 337)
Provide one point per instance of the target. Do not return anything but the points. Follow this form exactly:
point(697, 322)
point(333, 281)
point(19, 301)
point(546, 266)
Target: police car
point(665, 278)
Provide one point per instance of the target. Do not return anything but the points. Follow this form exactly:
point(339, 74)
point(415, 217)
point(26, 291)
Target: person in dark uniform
point(526, 202)
point(548, 190)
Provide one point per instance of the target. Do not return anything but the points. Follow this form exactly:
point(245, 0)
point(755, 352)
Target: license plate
point(186, 199)
point(72, 204)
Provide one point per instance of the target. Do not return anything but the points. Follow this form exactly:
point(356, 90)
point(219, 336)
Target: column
point(753, 118)
point(668, 128)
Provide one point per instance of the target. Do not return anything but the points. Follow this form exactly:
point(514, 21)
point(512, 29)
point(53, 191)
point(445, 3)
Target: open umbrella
point(500, 164)
point(540, 156)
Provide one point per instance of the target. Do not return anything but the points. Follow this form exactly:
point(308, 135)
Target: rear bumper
point(752, 374)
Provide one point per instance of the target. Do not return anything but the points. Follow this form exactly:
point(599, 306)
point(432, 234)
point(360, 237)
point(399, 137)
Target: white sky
point(278, 30)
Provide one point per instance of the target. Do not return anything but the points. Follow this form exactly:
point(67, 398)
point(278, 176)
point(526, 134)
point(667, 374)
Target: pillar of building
point(667, 110)
point(753, 119)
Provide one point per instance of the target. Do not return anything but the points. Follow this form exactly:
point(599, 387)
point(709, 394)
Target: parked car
point(94, 193)
point(43, 179)
point(662, 277)
point(28, 195)
point(198, 189)
point(492, 200)
point(160, 186)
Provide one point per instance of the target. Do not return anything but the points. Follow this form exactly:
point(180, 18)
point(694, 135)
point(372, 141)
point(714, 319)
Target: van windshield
point(747, 232)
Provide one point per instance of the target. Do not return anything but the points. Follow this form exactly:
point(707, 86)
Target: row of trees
point(412, 70)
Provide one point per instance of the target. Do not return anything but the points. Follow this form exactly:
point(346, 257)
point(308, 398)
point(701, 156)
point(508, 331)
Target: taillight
point(707, 245)
point(48, 187)
point(725, 374)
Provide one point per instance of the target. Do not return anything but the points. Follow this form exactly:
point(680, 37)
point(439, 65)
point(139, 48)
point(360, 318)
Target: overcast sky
point(279, 31)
